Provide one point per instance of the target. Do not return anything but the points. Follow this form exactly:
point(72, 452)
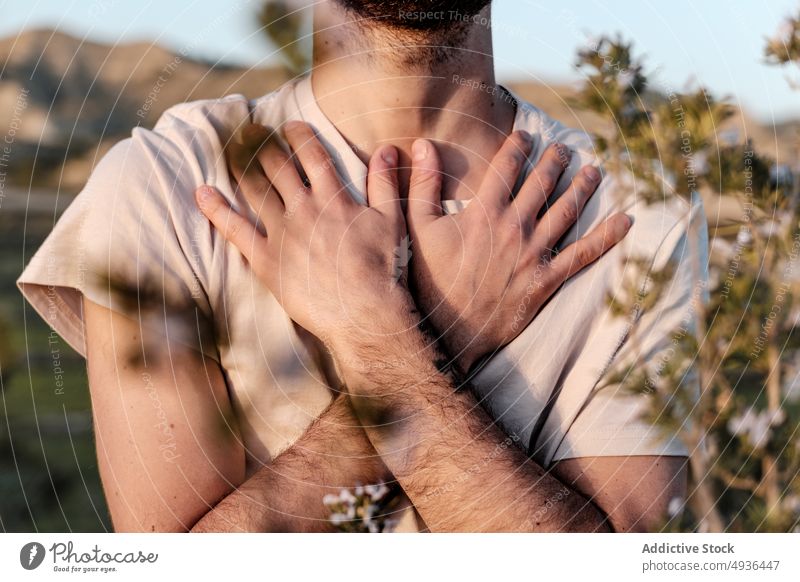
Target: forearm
point(286, 495)
point(461, 471)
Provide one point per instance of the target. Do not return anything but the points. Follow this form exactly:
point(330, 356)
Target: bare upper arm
point(166, 449)
point(634, 492)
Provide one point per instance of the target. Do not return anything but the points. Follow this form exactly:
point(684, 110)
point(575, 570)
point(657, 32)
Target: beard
point(423, 33)
point(416, 15)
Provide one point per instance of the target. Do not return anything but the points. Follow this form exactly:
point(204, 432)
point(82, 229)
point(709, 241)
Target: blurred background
point(75, 77)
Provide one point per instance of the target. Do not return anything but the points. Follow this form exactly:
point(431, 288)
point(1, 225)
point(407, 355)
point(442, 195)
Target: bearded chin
point(415, 15)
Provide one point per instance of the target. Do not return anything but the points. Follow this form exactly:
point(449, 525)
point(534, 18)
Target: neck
point(381, 86)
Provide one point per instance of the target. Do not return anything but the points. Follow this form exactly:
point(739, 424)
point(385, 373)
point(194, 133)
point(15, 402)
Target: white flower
point(346, 497)
point(778, 418)
point(330, 499)
point(744, 237)
point(359, 491)
point(593, 42)
point(791, 386)
point(770, 228)
point(338, 518)
point(785, 32)
point(626, 78)
point(792, 503)
point(755, 425)
point(370, 511)
point(377, 492)
point(701, 163)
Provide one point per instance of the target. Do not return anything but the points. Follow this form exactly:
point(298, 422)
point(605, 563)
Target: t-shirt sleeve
point(626, 413)
point(134, 242)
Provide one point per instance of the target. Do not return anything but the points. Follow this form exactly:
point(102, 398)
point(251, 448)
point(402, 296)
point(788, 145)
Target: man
point(216, 354)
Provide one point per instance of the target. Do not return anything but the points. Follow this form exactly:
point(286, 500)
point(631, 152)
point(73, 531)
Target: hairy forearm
point(286, 495)
point(461, 471)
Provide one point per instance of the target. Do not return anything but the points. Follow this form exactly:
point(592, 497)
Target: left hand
point(327, 260)
point(483, 274)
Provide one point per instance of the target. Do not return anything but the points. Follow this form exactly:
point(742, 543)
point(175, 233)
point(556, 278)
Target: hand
point(328, 260)
point(483, 274)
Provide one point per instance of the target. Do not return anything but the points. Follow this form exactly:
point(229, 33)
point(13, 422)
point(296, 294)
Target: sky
point(717, 42)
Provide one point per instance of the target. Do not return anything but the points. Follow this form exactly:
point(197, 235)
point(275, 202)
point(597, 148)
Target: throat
point(373, 98)
point(466, 121)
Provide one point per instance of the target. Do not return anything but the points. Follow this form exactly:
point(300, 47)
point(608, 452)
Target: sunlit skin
point(411, 123)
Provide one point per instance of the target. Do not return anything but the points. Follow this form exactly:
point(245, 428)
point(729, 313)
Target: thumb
point(425, 188)
point(383, 192)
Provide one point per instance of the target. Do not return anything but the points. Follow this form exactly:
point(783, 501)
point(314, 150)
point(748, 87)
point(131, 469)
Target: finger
point(382, 189)
point(588, 249)
point(242, 163)
point(498, 184)
point(565, 212)
point(255, 135)
point(235, 228)
point(252, 182)
point(280, 170)
point(542, 180)
point(425, 186)
point(315, 160)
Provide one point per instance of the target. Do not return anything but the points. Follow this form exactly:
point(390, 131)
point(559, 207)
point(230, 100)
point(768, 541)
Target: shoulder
point(548, 130)
point(188, 139)
point(661, 222)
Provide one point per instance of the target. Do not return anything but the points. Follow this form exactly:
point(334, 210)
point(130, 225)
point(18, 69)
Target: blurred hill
point(65, 101)
point(779, 142)
point(72, 99)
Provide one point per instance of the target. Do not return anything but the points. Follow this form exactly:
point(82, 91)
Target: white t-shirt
point(136, 222)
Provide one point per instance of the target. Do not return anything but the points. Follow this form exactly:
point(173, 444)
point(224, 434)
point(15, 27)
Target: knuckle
point(321, 163)
point(296, 130)
point(514, 225)
point(545, 181)
point(254, 185)
point(234, 227)
point(584, 253)
point(569, 212)
point(508, 164)
point(424, 180)
point(386, 176)
point(585, 186)
point(274, 160)
point(253, 136)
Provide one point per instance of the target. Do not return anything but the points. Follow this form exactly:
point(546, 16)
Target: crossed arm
point(433, 439)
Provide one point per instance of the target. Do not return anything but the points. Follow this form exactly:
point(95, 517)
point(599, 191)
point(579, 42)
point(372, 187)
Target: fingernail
point(628, 221)
point(389, 155)
point(420, 150)
point(204, 195)
point(591, 173)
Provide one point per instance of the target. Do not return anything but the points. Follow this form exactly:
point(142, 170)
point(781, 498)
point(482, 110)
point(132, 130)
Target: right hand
point(483, 274)
point(327, 260)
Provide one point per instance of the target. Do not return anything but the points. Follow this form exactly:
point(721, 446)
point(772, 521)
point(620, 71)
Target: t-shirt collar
point(349, 166)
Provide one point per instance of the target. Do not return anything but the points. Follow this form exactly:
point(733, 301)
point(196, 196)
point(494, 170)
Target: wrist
point(466, 356)
point(374, 342)
point(458, 343)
